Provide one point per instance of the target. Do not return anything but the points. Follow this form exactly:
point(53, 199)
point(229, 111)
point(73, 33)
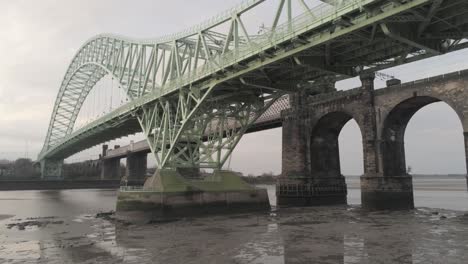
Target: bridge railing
point(209, 23)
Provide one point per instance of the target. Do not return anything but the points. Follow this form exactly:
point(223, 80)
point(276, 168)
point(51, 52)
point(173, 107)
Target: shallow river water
point(62, 227)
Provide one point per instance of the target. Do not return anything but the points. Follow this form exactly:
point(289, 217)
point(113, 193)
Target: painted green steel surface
point(187, 90)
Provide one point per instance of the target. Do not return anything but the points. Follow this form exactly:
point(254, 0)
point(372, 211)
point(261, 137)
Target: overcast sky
point(39, 38)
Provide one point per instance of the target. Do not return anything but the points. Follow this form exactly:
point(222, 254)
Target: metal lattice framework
point(187, 89)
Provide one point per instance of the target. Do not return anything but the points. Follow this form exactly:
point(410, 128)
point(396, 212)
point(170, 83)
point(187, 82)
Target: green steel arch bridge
point(195, 93)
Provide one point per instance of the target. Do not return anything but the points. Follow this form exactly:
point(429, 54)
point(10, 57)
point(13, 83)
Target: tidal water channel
point(62, 227)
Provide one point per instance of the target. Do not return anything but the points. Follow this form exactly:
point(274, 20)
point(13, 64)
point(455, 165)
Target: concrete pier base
point(167, 195)
point(387, 193)
point(306, 192)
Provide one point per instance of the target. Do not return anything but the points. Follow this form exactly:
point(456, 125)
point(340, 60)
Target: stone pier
point(311, 163)
point(110, 168)
point(311, 166)
point(136, 166)
point(385, 183)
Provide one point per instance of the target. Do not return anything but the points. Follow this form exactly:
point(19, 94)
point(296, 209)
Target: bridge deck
point(363, 33)
point(272, 118)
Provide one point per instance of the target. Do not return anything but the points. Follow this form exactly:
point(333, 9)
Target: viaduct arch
point(393, 132)
point(311, 170)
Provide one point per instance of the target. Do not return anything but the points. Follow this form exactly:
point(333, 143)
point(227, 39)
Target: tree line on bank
point(26, 169)
point(21, 168)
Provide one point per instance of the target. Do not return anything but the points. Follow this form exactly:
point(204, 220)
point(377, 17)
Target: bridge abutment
point(136, 166)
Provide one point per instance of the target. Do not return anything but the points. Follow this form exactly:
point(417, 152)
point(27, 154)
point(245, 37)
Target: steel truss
point(198, 129)
point(189, 90)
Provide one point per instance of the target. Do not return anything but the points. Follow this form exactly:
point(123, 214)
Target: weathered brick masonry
point(311, 167)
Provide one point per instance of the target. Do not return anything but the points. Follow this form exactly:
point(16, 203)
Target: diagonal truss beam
point(410, 42)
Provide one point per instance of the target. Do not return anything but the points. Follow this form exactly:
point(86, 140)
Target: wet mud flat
point(293, 235)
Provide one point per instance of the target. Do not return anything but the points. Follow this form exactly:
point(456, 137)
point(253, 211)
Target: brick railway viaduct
point(310, 157)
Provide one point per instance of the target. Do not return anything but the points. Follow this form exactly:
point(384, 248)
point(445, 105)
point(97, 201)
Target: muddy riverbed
point(64, 227)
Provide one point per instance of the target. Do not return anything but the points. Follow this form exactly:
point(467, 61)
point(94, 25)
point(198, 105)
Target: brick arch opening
point(324, 145)
point(393, 133)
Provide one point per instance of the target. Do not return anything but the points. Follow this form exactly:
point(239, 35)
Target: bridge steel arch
point(162, 67)
point(194, 93)
point(142, 67)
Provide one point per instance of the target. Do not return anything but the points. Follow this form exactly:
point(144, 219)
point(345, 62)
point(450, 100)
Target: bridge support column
point(311, 167)
point(295, 151)
point(110, 169)
point(385, 184)
point(51, 169)
point(136, 166)
point(295, 167)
